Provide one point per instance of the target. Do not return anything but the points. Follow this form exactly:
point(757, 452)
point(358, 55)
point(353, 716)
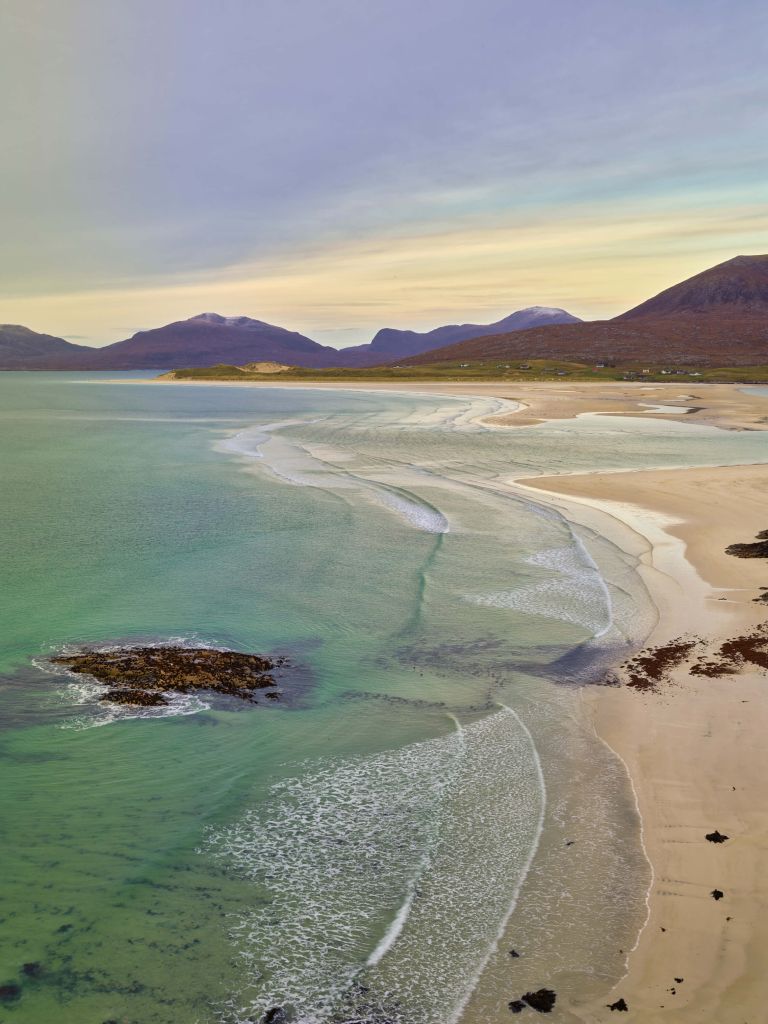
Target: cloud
point(344, 161)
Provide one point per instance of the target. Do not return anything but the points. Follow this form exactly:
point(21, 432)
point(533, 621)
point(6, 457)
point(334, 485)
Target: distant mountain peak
point(390, 343)
point(229, 321)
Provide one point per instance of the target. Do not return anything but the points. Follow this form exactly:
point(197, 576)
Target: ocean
point(428, 795)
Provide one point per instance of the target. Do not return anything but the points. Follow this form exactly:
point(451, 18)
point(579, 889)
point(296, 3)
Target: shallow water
point(356, 852)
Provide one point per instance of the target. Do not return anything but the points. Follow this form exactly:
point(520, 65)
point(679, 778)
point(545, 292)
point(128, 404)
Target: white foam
point(396, 870)
point(414, 511)
point(575, 592)
point(249, 441)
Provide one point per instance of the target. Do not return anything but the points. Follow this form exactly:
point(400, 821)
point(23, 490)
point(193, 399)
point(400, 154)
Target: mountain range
point(211, 338)
point(390, 343)
point(718, 317)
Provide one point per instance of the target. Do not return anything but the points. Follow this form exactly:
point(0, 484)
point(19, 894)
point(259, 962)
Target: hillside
point(206, 339)
point(738, 286)
point(390, 343)
point(21, 348)
point(717, 318)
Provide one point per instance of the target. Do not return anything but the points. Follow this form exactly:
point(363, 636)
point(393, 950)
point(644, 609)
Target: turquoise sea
point(429, 794)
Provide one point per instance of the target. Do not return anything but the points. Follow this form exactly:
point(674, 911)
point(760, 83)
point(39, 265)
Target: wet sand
point(723, 405)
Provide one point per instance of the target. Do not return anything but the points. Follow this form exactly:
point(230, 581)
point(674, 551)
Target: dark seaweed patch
point(757, 549)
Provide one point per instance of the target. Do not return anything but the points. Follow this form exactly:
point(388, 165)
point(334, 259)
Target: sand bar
point(724, 405)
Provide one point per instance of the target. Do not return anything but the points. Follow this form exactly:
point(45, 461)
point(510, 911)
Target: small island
point(144, 675)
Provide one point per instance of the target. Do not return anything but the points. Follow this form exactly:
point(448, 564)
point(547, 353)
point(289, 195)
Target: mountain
point(390, 343)
point(738, 286)
point(209, 338)
point(716, 318)
point(206, 339)
point(21, 348)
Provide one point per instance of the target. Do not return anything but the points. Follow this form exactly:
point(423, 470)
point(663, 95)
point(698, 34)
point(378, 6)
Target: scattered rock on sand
point(542, 1000)
point(716, 837)
point(717, 894)
point(620, 1004)
point(757, 549)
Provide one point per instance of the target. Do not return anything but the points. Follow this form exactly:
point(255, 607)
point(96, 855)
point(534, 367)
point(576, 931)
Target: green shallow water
point(356, 852)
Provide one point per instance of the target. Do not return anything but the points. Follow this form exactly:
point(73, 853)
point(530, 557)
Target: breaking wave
point(382, 883)
point(575, 591)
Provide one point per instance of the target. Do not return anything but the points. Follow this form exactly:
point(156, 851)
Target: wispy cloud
point(341, 165)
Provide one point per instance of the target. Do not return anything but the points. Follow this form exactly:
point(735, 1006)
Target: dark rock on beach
point(542, 1000)
point(620, 1005)
point(141, 675)
point(716, 837)
point(517, 1006)
point(757, 549)
point(717, 894)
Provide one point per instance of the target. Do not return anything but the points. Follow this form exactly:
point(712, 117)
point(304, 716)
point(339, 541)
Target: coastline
point(727, 406)
point(694, 751)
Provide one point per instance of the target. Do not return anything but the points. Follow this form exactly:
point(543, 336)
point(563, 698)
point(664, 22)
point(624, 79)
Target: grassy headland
point(484, 370)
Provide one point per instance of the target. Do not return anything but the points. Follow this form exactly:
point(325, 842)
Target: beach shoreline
point(693, 750)
point(727, 406)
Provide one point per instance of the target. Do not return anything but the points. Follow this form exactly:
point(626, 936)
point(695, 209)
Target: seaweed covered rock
point(136, 698)
point(141, 675)
point(757, 549)
point(542, 1000)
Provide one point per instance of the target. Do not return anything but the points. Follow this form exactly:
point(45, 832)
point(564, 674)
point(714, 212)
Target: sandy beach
point(695, 750)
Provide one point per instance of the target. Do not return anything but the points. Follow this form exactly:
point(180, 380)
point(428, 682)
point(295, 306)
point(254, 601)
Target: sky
point(337, 166)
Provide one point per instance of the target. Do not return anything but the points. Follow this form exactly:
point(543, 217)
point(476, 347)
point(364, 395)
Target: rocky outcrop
point(143, 675)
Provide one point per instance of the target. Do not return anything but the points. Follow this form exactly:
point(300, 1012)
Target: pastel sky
point(336, 166)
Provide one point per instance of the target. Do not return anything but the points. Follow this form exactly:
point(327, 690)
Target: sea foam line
point(398, 922)
point(492, 949)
